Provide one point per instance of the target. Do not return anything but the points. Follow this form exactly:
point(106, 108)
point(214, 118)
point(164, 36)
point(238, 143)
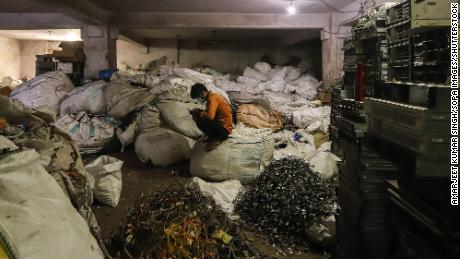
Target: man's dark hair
point(197, 89)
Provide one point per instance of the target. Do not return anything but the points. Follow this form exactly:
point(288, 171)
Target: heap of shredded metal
point(179, 222)
point(285, 200)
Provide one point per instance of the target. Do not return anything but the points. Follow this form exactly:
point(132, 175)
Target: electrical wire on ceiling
point(360, 12)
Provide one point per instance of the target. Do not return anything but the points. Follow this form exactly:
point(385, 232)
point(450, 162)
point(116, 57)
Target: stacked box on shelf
point(370, 38)
point(420, 131)
point(351, 58)
point(431, 56)
point(363, 222)
point(398, 28)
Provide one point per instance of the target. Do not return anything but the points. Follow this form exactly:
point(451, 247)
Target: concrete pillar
point(100, 48)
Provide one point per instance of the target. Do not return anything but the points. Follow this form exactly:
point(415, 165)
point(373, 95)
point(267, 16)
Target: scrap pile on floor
point(286, 201)
point(179, 222)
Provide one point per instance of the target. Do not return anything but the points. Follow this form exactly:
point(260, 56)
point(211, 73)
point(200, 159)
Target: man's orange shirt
point(218, 106)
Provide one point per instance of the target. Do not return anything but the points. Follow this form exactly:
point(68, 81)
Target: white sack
point(177, 115)
point(88, 98)
point(149, 118)
point(198, 77)
point(170, 83)
point(251, 73)
point(6, 144)
point(306, 86)
point(107, 184)
point(274, 85)
point(89, 133)
point(46, 89)
point(292, 74)
point(163, 147)
point(121, 99)
point(325, 163)
point(289, 108)
point(223, 193)
point(313, 118)
point(277, 99)
point(195, 76)
point(126, 137)
point(263, 67)
point(37, 216)
point(241, 157)
point(228, 86)
point(248, 83)
point(321, 160)
point(278, 72)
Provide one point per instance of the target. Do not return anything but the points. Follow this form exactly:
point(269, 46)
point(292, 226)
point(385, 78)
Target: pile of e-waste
point(289, 203)
point(179, 222)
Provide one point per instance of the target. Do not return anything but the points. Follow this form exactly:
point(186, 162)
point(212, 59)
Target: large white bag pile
point(263, 67)
point(121, 99)
point(88, 98)
point(254, 74)
point(163, 147)
point(46, 89)
point(177, 115)
point(320, 159)
point(198, 77)
point(277, 100)
point(89, 133)
point(106, 182)
point(36, 217)
point(313, 118)
point(241, 157)
point(306, 87)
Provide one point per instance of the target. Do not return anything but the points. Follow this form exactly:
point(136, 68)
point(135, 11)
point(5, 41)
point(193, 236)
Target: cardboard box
point(324, 97)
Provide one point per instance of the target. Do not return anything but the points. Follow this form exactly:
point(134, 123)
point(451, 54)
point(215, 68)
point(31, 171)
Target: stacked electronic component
point(351, 58)
point(398, 27)
point(371, 43)
point(420, 132)
point(430, 56)
point(408, 118)
point(362, 224)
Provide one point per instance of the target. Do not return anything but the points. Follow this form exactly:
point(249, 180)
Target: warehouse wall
point(31, 48)
point(136, 55)
point(228, 56)
point(10, 62)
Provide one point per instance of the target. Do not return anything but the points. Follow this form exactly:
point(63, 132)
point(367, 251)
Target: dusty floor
point(139, 178)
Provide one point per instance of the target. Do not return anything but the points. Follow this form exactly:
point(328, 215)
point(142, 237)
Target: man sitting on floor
point(216, 121)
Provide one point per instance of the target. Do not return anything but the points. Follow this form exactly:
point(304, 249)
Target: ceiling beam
point(37, 21)
point(219, 20)
point(82, 10)
point(133, 38)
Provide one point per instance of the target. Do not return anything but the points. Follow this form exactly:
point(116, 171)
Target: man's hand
point(196, 114)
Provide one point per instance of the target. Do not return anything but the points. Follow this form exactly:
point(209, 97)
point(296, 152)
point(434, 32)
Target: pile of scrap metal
point(290, 204)
point(179, 222)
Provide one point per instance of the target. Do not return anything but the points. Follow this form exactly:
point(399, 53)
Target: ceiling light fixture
point(291, 9)
point(73, 36)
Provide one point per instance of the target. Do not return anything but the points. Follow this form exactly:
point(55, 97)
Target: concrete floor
point(139, 179)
